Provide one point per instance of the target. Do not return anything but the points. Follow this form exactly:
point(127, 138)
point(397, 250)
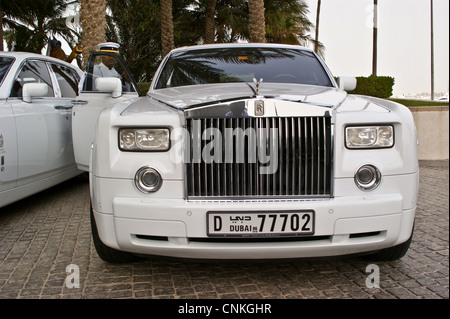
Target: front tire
point(107, 253)
point(392, 253)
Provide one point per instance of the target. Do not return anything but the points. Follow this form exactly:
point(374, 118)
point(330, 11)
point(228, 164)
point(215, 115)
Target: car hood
point(188, 96)
point(283, 99)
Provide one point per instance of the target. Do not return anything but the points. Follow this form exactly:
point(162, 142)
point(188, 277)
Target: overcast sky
point(404, 40)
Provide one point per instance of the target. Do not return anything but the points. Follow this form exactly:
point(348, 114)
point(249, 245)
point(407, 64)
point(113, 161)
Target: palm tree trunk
point(257, 24)
point(167, 42)
point(316, 40)
point(1, 30)
point(93, 23)
point(210, 25)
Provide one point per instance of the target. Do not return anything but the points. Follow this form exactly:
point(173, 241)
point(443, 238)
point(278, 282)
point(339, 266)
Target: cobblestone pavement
point(44, 234)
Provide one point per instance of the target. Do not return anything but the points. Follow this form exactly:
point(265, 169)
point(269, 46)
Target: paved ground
point(44, 234)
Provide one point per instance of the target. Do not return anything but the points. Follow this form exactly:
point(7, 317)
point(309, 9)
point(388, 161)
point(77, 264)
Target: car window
point(32, 72)
point(5, 64)
point(68, 80)
point(277, 65)
point(106, 66)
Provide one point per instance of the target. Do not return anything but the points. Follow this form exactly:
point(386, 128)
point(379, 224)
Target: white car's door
point(8, 138)
point(96, 97)
point(8, 148)
point(42, 126)
point(67, 92)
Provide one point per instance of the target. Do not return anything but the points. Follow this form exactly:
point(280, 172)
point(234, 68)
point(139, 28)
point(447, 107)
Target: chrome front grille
point(303, 146)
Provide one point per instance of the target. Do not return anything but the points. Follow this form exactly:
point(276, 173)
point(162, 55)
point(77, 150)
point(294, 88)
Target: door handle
point(79, 102)
point(63, 107)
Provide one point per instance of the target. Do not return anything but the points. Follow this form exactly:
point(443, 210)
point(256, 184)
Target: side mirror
point(346, 83)
point(113, 85)
point(31, 90)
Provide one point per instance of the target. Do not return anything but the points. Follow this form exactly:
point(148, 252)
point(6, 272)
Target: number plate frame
point(245, 221)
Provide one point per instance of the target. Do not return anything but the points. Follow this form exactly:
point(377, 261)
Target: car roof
point(20, 56)
point(239, 45)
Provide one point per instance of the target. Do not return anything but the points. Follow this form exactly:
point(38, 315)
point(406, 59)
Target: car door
point(85, 114)
point(8, 148)
point(8, 139)
point(42, 126)
point(66, 92)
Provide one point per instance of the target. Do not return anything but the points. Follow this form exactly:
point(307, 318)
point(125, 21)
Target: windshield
point(5, 63)
point(224, 65)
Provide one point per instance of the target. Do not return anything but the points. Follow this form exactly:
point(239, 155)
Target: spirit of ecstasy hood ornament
point(257, 84)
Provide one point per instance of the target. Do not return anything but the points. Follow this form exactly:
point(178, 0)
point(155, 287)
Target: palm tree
point(9, 11)
point(316, 39)
point(139, 50)
point(256, 21)
point(35, 22)
point(167, 42)
point(231, 20)
point(210, 24)
point(287, 22)
point(93, 23)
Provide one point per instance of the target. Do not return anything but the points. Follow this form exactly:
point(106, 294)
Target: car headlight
point(369, 136)
point(144, 139)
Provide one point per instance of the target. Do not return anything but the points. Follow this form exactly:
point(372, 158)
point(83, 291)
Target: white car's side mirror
point(113, 85)
point(31, 90)
point(347, 83)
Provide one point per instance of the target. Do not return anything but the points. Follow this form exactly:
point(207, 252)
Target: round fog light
point(147, 180)
point(367, 177)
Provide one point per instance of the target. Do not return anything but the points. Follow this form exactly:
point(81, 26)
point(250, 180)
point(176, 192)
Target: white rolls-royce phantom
point(246, 151)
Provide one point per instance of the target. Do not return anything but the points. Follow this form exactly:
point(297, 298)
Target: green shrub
point(378, 86)
point(143, 88)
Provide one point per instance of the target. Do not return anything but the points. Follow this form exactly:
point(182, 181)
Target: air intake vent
point(267, 157)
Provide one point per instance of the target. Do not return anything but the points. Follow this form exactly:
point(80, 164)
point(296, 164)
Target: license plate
point(257, 224)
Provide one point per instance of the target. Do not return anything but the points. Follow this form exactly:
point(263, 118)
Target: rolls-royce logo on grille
point(259, 108)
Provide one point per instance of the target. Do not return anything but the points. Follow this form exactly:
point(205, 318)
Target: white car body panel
point(36, 146)
point(85, 118)
point(53, 151)
point(168, 223)
point(97, 93)
point(178, 221)
point(8, 147)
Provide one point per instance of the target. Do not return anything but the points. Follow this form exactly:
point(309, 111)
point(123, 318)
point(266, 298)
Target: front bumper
point(178, 228)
